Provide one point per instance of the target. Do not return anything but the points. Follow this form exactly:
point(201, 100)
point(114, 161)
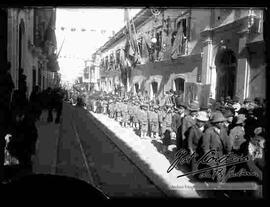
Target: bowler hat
point(202, 116)
point(193, 106)
point(218, 117)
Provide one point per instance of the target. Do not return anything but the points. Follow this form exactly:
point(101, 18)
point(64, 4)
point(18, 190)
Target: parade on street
point(133, 102)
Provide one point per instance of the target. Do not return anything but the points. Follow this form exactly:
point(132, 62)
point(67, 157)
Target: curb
point(141, 164)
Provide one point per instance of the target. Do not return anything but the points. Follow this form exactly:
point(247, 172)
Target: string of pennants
point(102, 31)
point(70, 57)
point(74, 29)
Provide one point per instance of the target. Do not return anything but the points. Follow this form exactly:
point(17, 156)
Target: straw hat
point(202, 116)
point(218, 117)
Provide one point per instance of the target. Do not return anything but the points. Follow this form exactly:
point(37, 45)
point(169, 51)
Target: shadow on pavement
point(54, 185)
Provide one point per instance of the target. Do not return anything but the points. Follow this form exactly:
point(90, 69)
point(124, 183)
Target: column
point(242, 74)
point(207, 61)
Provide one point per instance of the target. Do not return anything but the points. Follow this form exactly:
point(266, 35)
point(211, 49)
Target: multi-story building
point(199, 53)
point(30, 45)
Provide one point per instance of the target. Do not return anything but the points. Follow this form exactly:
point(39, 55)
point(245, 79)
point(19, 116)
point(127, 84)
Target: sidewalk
point(145, 155)
point(46, 147)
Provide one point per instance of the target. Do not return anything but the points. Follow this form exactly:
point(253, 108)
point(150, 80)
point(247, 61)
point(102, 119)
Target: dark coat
point(23, 141)
point(176, 121)
point(194, 138)
point(214, 141)
point(188, 121)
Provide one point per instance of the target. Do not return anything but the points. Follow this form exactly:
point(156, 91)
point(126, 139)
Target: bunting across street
point(82, 29)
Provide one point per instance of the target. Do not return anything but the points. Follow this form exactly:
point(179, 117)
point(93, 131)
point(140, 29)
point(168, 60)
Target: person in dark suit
point(177, 120)
point(189, 120)
point(216, 138)
point(195, 134)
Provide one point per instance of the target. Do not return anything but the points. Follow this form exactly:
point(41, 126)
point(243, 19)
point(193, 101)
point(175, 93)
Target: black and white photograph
point(133, 102)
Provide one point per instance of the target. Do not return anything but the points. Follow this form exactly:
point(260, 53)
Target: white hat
point(202, 116)
point(236, 106)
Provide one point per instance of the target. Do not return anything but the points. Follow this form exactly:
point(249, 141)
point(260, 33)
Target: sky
point(98, 23)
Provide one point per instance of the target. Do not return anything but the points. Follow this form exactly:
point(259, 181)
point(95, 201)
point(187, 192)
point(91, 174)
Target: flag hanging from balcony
point(131, 47)
point(50, 36)
point(176, 48)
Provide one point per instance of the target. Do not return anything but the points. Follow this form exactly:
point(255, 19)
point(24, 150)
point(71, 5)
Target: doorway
point(179, 85)
point(136, 88)
point(154, 87)
point(21, 42)
point(226, 64)
point(34, 74)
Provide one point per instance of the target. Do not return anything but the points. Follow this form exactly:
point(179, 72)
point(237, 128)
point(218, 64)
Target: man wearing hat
point(125, 114)
point(189, 120)
point(228, 114)
point(143, 120)
point(118, 110)
point(167, 126)
point(216, 138)
point(161, 116)
point(153, 120)
point(136, 109)
point(131, 112)
point(195, 134)
point(237, 135)
point(177, 120)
